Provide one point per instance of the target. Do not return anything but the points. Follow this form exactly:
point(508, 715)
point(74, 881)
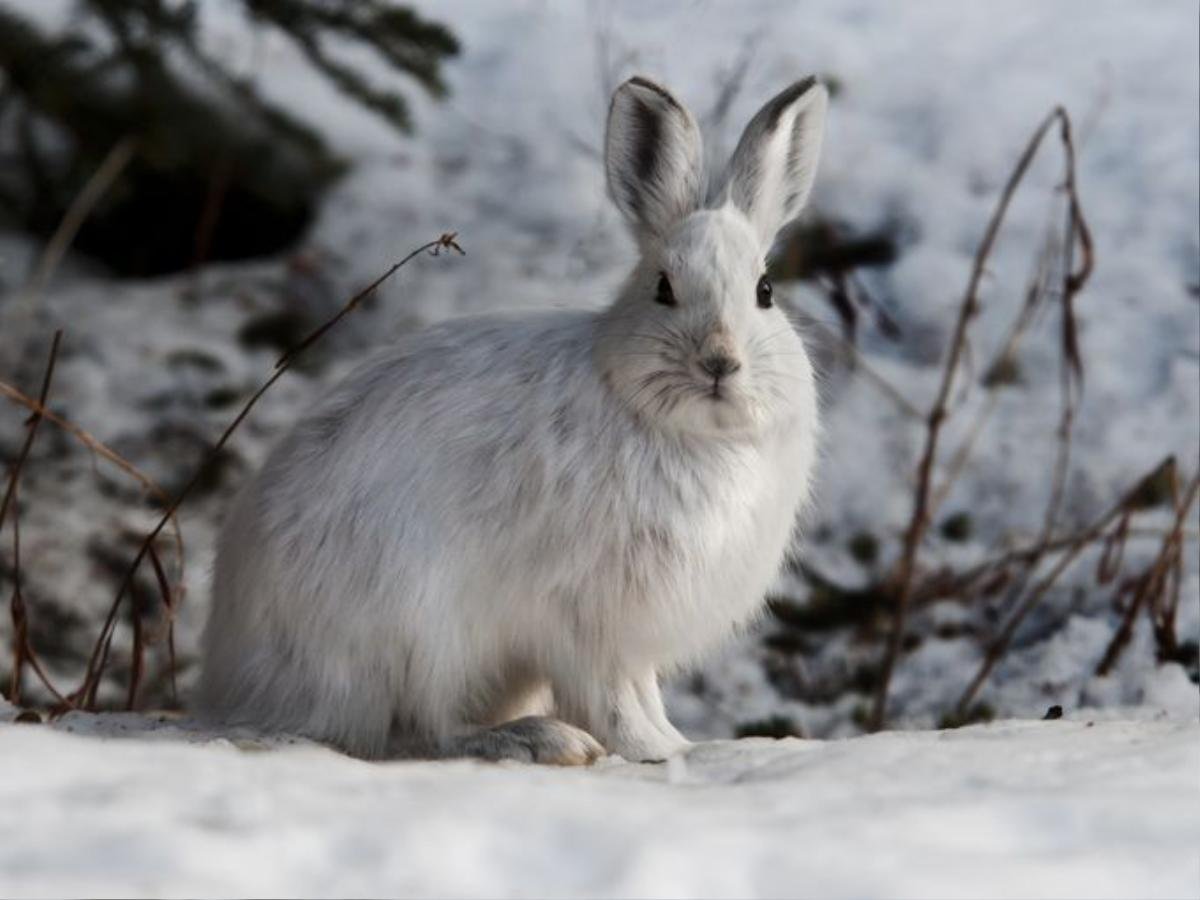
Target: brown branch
point(920, 516)
point(1077, 233)
point(16, 607)
point(171, 657)
point(32, 426)
point(445, 242)
point(135, 674)
point(1086, 537)
point(1152, 582)
point(1035, 293)
point(136, 656)
point(86, 692)
point(950, 585)
point(22, 650)
point(100, 449)
point(1164, 618)
point(1108, 567)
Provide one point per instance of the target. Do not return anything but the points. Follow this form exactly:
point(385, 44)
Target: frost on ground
point(123, 805)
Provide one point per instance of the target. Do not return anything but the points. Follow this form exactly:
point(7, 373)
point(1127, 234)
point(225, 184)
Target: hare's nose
point(718, 365)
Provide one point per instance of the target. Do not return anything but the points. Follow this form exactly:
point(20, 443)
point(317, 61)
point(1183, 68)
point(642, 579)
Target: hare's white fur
point(505, 517)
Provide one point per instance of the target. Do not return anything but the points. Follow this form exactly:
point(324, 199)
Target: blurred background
point(188, 188)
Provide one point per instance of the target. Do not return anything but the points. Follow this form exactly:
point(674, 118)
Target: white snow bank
point(1066, 808)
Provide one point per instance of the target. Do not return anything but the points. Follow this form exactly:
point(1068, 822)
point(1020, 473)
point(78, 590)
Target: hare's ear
point(773, 167)
point(653, 158)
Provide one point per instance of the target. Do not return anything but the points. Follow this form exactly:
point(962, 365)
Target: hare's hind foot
point(533, 739)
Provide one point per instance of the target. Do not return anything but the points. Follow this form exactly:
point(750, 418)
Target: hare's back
point(430, 416)
point(460, 379)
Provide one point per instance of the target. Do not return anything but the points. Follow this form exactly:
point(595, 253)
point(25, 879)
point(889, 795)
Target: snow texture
point(121, 805)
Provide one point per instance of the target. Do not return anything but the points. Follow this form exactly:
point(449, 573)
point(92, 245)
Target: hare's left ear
point(773, 167)
point(653, 158)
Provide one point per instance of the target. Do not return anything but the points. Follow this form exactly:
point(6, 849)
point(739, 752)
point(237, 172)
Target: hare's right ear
point(653, 158)
point(773, 167)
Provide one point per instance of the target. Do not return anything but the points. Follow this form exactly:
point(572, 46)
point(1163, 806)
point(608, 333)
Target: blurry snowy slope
point(1051, 809)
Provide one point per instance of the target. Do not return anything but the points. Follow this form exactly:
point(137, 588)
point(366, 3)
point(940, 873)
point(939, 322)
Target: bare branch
point(85, 694)
point(1001, 643)
point(1152, 583)
point(22, 651)
point(919, 521)
point(92, 443)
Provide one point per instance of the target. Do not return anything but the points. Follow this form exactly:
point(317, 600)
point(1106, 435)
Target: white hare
point(495, 537)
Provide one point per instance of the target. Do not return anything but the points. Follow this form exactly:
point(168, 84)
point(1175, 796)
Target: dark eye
point(765, 293)
point(664, 294)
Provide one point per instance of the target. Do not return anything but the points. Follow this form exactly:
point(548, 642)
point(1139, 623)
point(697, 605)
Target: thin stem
point(86, 692)
point(22, 651)
point(919, 521)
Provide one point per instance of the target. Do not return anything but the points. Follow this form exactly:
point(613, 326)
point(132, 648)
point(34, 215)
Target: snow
point(122, 805)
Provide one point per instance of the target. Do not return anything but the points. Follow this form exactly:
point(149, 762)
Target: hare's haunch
point(494, 537)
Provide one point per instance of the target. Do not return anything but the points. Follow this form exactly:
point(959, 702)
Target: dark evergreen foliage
point(218, 171)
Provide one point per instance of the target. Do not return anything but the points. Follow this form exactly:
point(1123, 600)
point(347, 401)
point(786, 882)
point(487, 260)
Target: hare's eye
point(765, 293)
point(664, 294)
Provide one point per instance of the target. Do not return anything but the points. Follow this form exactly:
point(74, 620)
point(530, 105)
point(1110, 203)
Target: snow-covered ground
point(126, 806)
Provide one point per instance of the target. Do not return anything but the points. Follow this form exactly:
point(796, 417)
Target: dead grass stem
point(85, 694)
point(1077, 234)
point(22, 649)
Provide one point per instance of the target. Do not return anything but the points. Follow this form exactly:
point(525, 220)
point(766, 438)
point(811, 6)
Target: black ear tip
point(817, 87)
point(803, 86)
point(784, 99)
point(641, 82)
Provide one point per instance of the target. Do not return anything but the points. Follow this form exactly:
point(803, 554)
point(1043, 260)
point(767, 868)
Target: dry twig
point(85, 694)
point(1149, 588)
point(918, 523)
point(22, 649)
point(96, 446)
point(1002, 363)
point(1089, 535)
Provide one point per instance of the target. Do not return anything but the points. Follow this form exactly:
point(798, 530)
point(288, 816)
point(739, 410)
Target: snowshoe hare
point(495, 537)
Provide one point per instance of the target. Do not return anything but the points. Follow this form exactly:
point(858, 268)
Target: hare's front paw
point(533, 739)
point(625, 713)
point(650, 747)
